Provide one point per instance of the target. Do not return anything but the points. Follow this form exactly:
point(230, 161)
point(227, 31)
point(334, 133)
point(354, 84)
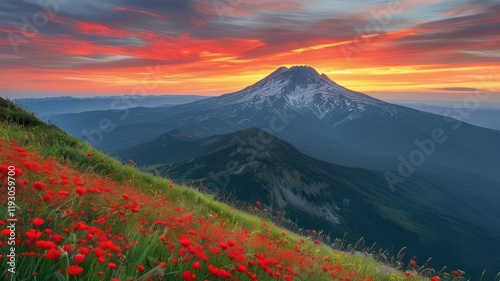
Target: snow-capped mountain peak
point(302, 89)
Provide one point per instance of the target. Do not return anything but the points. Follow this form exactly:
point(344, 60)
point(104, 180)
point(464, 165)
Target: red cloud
point(94, 29)
point(144, 12)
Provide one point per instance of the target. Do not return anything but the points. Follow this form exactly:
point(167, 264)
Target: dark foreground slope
point(432, 216)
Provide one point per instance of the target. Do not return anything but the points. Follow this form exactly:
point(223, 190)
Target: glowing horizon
point(447, 48)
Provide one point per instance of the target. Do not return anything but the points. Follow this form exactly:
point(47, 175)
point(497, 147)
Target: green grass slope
point(78, 214)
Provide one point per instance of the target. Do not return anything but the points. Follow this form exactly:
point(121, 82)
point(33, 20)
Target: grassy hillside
point(82, 215)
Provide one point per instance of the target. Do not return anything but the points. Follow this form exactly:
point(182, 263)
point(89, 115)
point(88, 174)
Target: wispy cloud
point(87, 43)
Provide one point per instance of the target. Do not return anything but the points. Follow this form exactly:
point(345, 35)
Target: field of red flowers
point(71, 225)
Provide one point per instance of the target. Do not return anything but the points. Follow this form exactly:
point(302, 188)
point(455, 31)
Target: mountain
point(44, 107)
point(321, 119)
point(428, 215)
point(486, 117)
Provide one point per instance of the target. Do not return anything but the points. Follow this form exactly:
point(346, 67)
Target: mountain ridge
point(323, 120)
point(336, 199)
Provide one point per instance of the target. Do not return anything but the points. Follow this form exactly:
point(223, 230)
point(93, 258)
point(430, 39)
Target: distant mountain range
point(486, 117)
point(46, 107)
point(319, 117)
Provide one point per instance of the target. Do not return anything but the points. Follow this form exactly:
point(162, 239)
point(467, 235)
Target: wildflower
point(223, 245)
point(188, 275)
point(39, 186)
point(53, 254)
point(85, 250)
point(196, 265)
point(79, 258)
point(185, 242)
point(140, 268)
point(413, 262)
point(63, 192)
point(435, 278)
point(90, 154)
point(57, 238)
point(112, 265)
point(80, 191)
point(67, 248)
point(38, 222)
point(6, 232)
point(98, 252)
point(45, 244)
point(74, 270)
point(33, 234)
point(242, 268)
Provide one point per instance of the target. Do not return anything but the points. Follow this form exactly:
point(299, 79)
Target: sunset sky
point(413, 49)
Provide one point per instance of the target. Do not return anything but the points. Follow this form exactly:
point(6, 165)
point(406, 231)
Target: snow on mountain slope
point(302, 89)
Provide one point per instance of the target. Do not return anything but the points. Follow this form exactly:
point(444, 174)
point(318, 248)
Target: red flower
point(85, 250)
point(53, 254)
point(39, 186)
point(413, 262)
point(6, 232)
point(74, 270)
point(188, 275)
point(242, 268)
point(185, 242)
point(38, 222)
point(140, 267)
point(98, 252)
point(90, 154)
point(79, 258)
point(33, 234)
point(56, 238)
point(435, 278)
point(171, 185)
point(67, 247)
point(196, 265)
point(112, 265)
point(223, 245)
point(80, 191)
point(45, 244)
point(63, 192)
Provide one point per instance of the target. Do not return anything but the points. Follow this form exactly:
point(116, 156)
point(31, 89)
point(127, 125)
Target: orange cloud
point(200, 53)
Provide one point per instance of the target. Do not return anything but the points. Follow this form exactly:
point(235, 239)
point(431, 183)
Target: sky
point(397, 49)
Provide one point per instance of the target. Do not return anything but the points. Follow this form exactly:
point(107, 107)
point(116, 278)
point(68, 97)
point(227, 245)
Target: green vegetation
point(83, 215)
